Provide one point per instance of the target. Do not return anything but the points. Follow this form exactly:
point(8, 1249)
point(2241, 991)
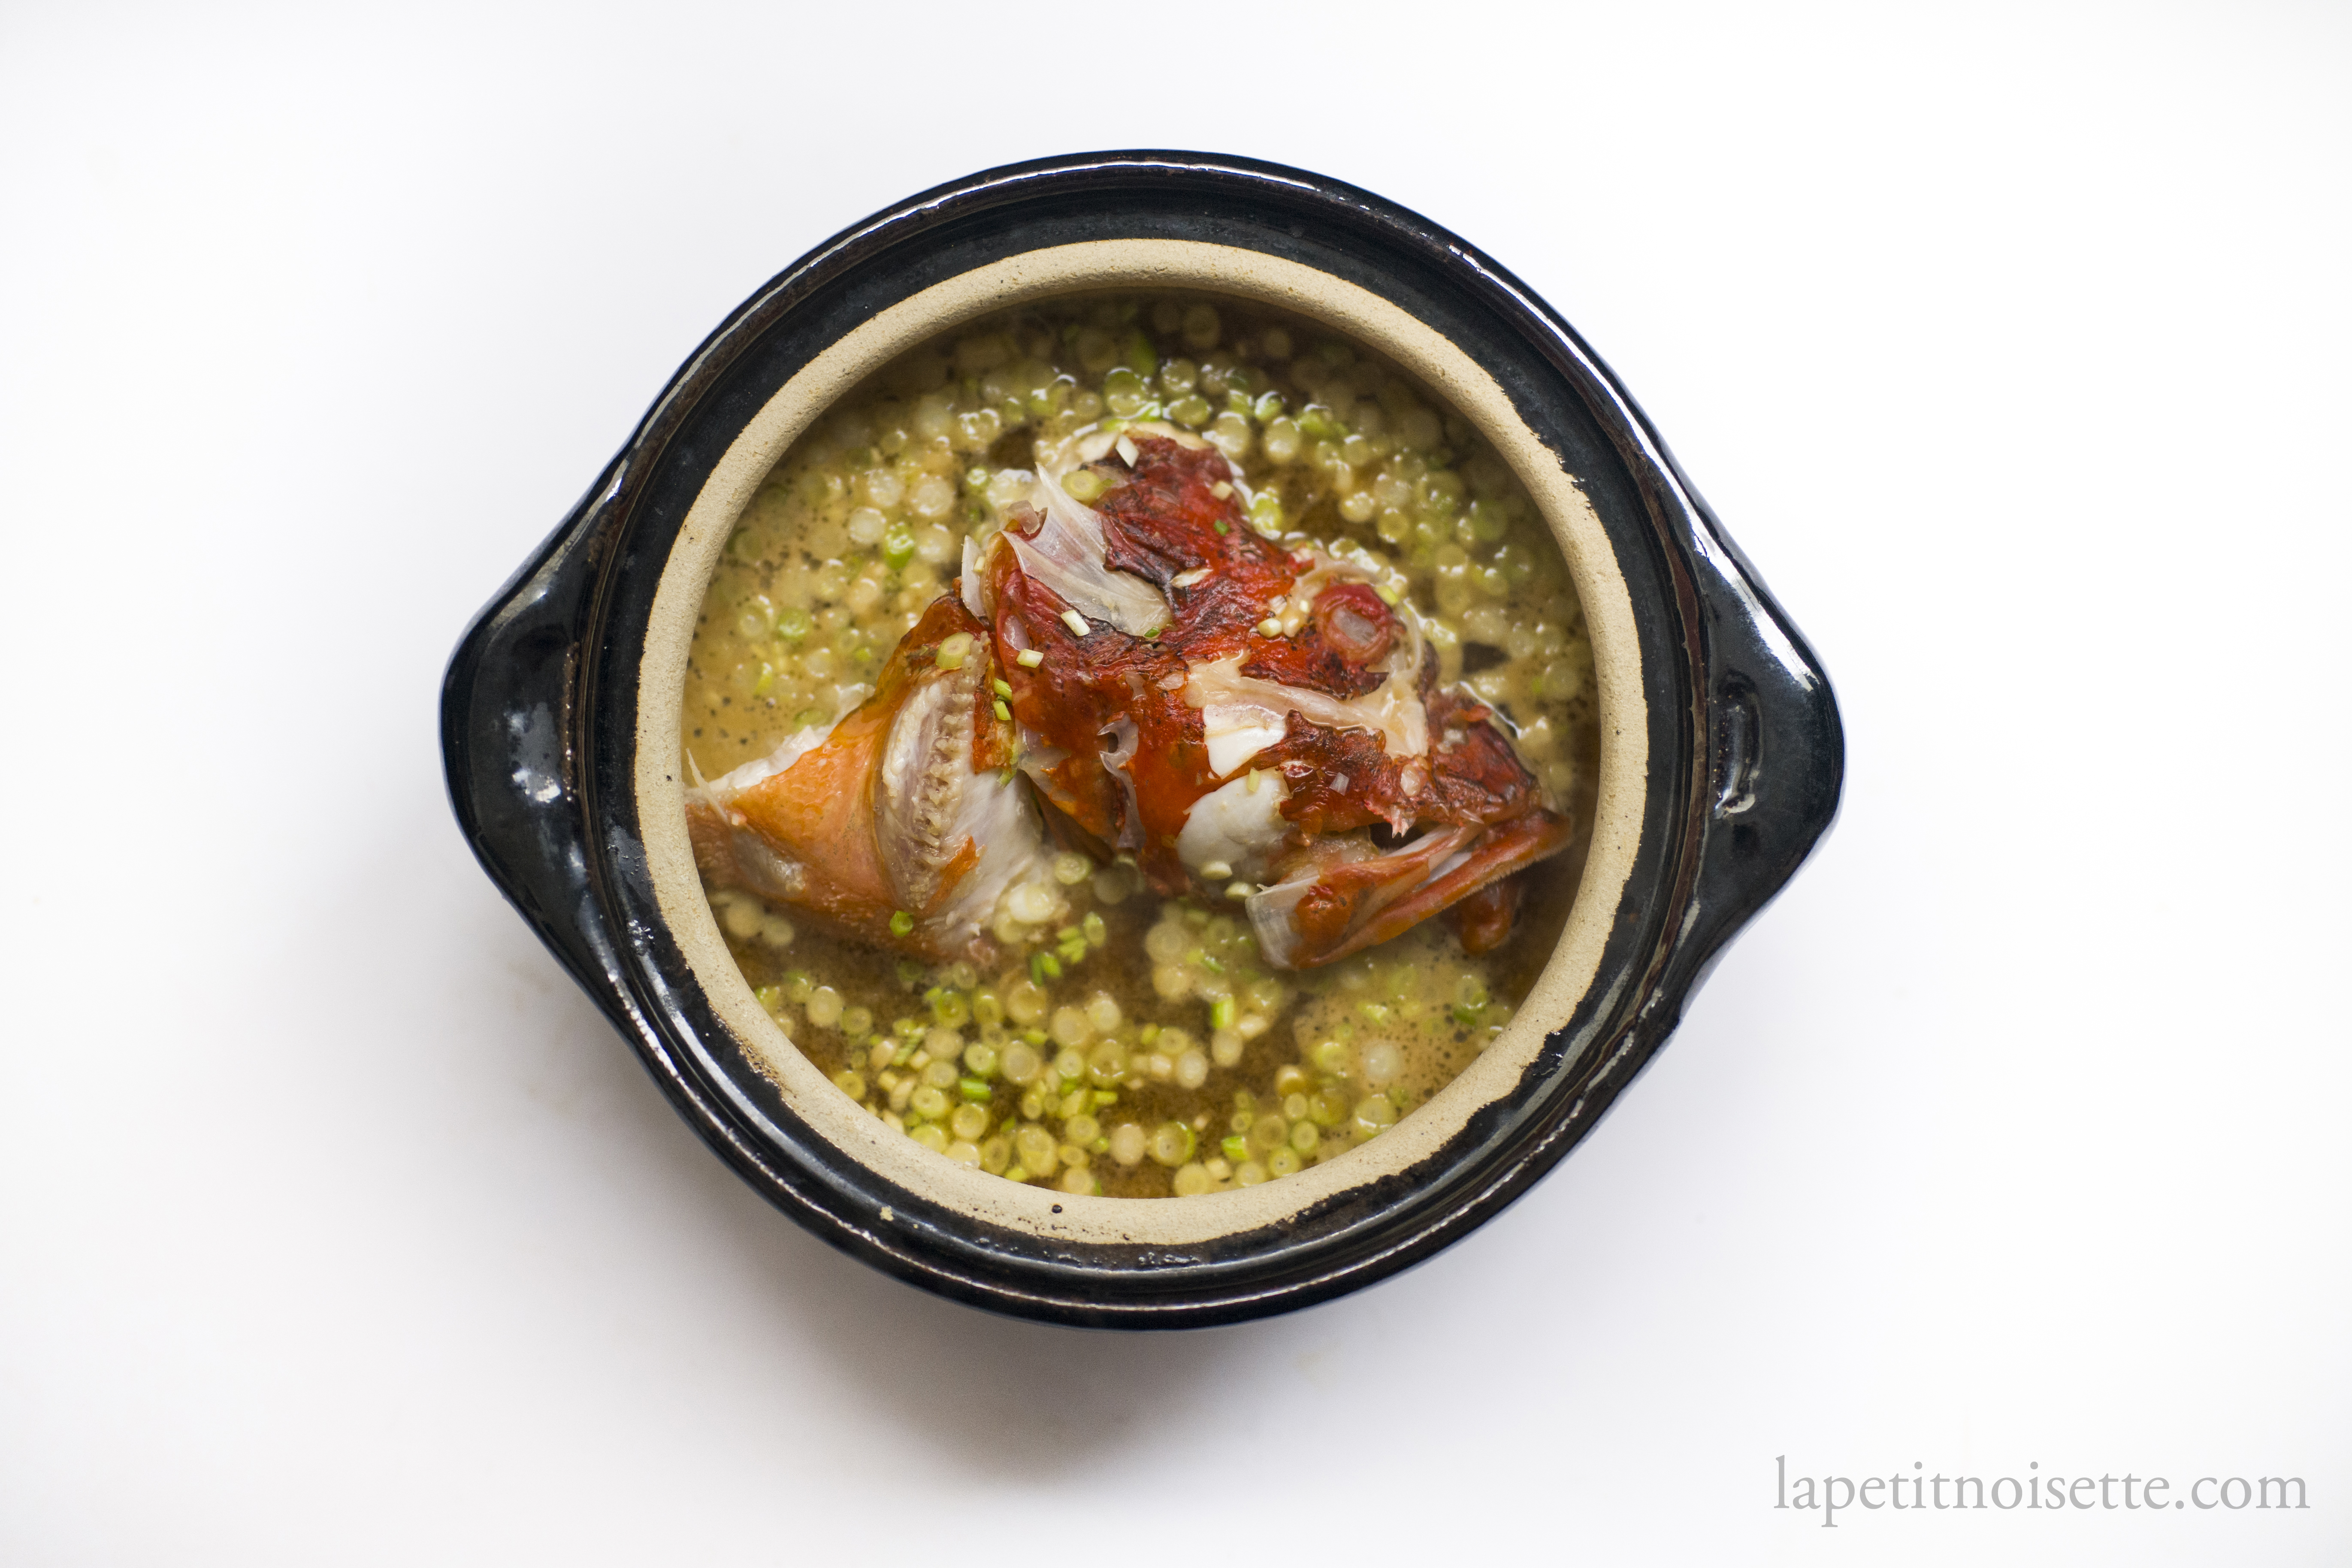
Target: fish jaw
point(896, 819)
point(1337, 910)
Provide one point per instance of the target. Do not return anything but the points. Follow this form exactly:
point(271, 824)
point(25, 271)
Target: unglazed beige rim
point(1162, 264)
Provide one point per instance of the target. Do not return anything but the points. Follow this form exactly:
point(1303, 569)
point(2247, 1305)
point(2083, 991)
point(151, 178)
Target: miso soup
point(1143, 745)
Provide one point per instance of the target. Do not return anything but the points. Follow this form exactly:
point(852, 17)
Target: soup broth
point(1115, 1023)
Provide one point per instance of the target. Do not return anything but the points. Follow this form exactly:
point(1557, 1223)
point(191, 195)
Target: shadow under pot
point(1140, 739)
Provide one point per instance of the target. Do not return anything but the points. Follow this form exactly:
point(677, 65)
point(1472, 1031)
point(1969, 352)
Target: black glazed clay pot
point(1721, 751)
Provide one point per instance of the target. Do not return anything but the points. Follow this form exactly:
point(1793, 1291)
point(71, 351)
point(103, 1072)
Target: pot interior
point(1159, 264)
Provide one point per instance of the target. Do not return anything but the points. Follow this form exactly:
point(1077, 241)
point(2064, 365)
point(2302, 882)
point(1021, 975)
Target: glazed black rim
point(540, 705)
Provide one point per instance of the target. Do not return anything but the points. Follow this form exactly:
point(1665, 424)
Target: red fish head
point(1238, 712)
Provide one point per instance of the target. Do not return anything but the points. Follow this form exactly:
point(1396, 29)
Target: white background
point(2010, 341)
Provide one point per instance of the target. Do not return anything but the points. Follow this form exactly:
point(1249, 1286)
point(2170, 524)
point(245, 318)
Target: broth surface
point(1124, 1042)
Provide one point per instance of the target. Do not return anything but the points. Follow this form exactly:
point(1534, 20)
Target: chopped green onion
point(1003, 713)
point(974, 1089)
point(1077, 622)
point(1221, 1012)
point(1029, 657)
point(953, 651)
point(901, 923)
point(1000, 689)
point(1096, 931)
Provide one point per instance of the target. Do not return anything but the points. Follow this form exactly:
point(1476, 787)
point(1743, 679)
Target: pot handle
point(1775, 751)
point(509, 742)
